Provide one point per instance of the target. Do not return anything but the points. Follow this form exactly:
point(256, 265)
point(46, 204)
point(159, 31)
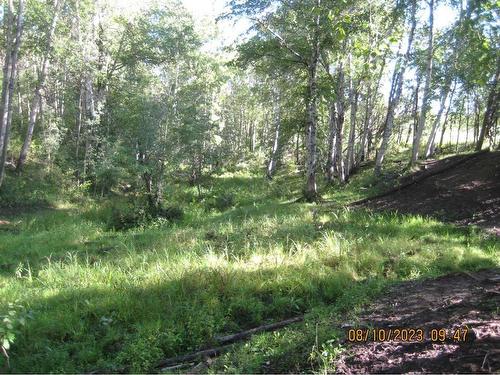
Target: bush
point(133, 216)
point(126, 218)
point(221, 202)
point(246, 312)
point(33, 187)
point(171, 213)
point(9, 327)
point(142, 351)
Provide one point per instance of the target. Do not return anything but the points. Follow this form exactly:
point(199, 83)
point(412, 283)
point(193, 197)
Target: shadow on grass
point(108, 328)
point(84, 329)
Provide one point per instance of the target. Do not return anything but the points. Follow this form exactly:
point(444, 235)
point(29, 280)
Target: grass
point(105, 299)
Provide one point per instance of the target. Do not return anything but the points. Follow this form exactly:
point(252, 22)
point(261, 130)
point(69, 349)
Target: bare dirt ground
point(453, 302)
point(466, 194)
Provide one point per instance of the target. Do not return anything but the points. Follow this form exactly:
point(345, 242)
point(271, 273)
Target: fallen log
point(264, 328)
point(177, 367)
point(226, 342)
point(212, 352)
point(421, 176)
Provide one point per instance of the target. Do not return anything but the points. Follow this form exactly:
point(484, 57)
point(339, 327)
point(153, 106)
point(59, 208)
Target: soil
point(453, 302)
point(465, 194)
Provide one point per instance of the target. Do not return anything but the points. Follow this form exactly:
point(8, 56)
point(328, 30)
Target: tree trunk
point(311, 192)
point(6, 72)
point(477, 113)
point(431, 142)
point(395, 94)
point(366, 125)
point(252, 136)
point(332, 131)
point(427, 88)
point(275, 150)
point(353, 101)
point(312, 118)
point(368, 121)
point(445, 121)
point(339, 125)
point(414, 113)
point(37, 97)
point(78, 130)
point(490, 114)
point(297, 149)
point(6, 109)
point(467, 116)
point(352, 130)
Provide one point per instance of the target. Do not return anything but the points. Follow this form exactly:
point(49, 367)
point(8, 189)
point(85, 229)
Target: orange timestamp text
point(359, 335)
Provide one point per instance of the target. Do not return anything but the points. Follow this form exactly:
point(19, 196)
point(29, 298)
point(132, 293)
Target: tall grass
point(105, 299)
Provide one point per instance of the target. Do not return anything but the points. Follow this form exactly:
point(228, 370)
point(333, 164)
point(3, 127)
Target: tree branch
point(282, 41)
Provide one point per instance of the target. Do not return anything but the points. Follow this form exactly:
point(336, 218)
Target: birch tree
point(13, 40)
point(491, 113)
point(37, 96)
point(396, 91)
point(424, 109)
point(275, 149)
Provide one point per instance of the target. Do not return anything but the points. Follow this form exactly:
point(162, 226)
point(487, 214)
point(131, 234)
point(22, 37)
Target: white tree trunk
point(491, 112)
point(352, 129)
point(431, 141)
point(275, 150)
point(311, 192)
point(5, 99)
point(427, 88)
point(5, 128)
point(395, 95)
point(332, 131)
point(339, 125)
point(37, 97)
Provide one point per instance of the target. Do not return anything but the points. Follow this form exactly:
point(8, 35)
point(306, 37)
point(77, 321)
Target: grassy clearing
point(104, 299)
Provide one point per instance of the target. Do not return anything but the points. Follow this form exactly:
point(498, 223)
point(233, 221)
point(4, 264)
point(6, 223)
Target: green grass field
point(97, 298)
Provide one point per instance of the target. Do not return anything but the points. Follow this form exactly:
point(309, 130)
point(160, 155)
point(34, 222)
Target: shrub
point(132, 216)
point(247, 312)
point(142, 352)
point(9, 326)
point(127, 218)
point(171, 213)
point(221, 203)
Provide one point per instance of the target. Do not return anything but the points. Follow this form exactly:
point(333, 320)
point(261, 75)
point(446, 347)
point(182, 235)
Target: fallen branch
point(212, 352)
point(421, 176)
point(264, 328)
point(226, 342)
point(177, 367)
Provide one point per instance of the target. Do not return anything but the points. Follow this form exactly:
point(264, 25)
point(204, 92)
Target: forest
point(240, 192)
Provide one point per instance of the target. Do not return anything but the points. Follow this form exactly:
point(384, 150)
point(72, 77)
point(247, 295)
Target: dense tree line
point(121, 99)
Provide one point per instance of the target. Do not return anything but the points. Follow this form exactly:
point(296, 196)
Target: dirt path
point(467, 194)
point(452, 303)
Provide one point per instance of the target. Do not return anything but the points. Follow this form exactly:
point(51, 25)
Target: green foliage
point(139, 213)
point(105, 299)
point(142, 351)
point(37, 186)
point(10, 322)
point(128, 217)
point(160, 233)
point(221, 202)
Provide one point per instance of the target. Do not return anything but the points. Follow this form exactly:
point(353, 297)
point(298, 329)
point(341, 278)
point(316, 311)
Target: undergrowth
point(243, 254)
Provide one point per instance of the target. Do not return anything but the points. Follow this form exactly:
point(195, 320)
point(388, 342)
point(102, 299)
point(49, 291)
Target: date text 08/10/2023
point(407, 334)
